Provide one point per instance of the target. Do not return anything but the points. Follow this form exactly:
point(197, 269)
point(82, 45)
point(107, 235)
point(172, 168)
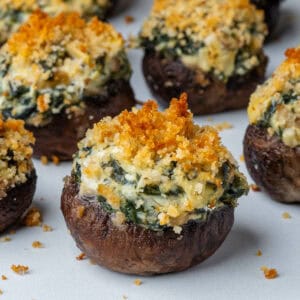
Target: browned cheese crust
point(60, 137)
point(16, 202)
point(132, 249)
point(273, 165)
point(168, 78)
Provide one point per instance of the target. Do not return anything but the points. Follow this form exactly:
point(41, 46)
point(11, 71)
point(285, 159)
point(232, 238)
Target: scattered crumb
point(222, 126)
point(55, 160)
point(33, 218)
point(125, 297)
point(37, 244)
point(80, 211)
point(129, 19)
point(1, 292)
point(258, 253)
point(44, 160)
point(132, 42)
point(269, 273)
point(3, 277)
point(81, 256)
point(47, 228)
point(19, 269)
point(255, 188)
point(138, 282)
point(242, 158)
point(286, 215)
point(5, 239)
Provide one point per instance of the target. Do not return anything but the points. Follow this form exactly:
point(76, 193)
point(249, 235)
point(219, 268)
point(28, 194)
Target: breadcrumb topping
point(20, 269)
point(81, 256)
point(33, 217)
point(218, 36)
point(15, 154)
point(276, 104)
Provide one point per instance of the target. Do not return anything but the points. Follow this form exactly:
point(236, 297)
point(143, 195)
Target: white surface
point(232, 273)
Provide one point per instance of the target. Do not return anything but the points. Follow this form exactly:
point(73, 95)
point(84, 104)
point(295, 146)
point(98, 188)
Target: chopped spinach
point(152, 189)
point(130, 212)
point(105, 205)
point(176, 191)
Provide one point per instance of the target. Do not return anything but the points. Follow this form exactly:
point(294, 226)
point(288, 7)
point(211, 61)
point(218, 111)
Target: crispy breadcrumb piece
point(55, 160)
point(20, 269)
point(269, 273)
point(81, 256)
point(37, 244)
point(258, 253)
point(47, 228)
point(223, 126)
point(255, 188)
point(242, 158)
point(80, 211)
point(137, 282)
point(286, 215)
point(33, 217)
point(1, 292)
point(5, 239)
point(44, 160)
point(3, 277)
point(129, 19)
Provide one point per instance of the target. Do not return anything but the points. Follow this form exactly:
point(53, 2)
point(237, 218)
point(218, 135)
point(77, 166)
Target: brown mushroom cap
point(168, 78)
point(60, 137)
point(274, 166)
point(132, 249)
point(16, 202)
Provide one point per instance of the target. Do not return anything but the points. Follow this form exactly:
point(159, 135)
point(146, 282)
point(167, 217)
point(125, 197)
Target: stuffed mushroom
point(271, 10)
point(272, 140)
point(210, 49)
point(14, 12)
point(17, 173)
point(151, 192)
point(60, 75)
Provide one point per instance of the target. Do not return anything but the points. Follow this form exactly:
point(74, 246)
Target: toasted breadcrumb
point(20, 269)
point(222, 126)
point(286, 215)
point(137, 282)
point(47, 228)
point(80, 211)
point(5, 239)
point(3, 277)
point(269, 273)
point(255, 188)
point(129, 19)
point(242, 158)
point(258, 253)
point(44, 160)
point(55, 160)
point(37, 244)
point(81, 256)
point(33, 218)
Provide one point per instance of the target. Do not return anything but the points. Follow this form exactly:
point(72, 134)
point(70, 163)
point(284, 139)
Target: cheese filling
point(51, 64)
point(15, 154)
point(276, 104)
point(223, 38)
point(148, 169)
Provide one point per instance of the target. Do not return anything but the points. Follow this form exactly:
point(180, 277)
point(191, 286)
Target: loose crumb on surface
point(124, 297)
point(1, 292)
point(3, 277)
point(5, 239)
point(47, 228)
point(80, 211)
point(258, 253)
point(222, 126)
point(242, 158)
point(269, 273)
point(129, 19)
point(20, 269)
point(138, 282)
point(33, 218)
point(81, 256)
point(55, 160)
point(37, 244)
point(255, 188)
point(44, 160)
point(286, 215)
